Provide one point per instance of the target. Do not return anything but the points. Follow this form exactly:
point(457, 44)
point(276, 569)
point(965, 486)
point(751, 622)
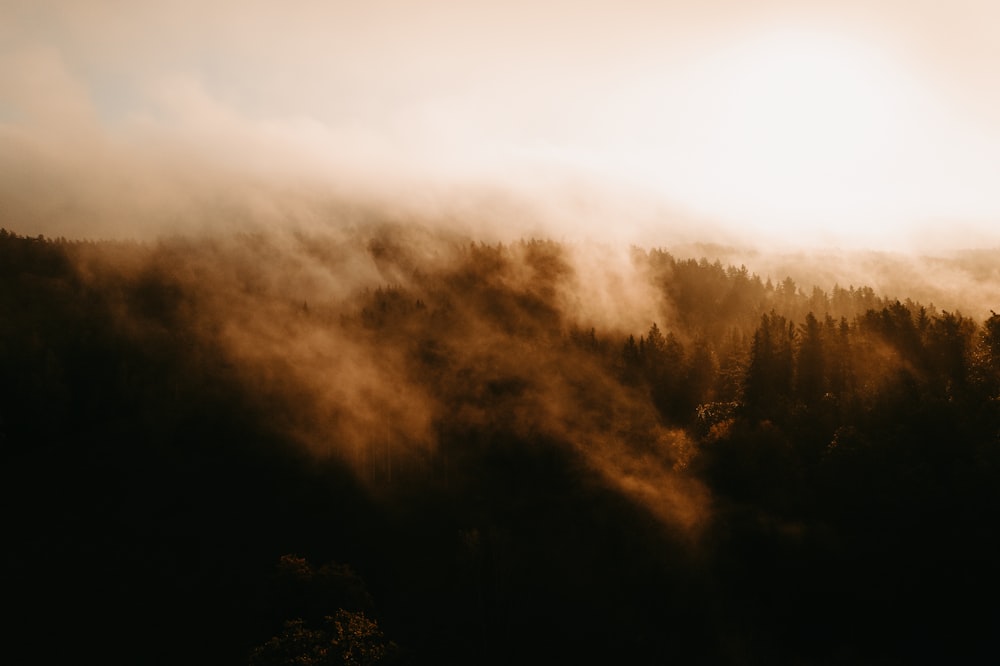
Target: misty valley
point(394, 444)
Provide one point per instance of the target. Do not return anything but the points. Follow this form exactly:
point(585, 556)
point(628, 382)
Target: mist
point(511, 434)
point(639, 332)
point(627, 126)
point(365, 344)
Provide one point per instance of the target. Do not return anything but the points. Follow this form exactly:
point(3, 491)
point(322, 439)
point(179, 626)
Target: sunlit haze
point(841, 124)
point(449, 332)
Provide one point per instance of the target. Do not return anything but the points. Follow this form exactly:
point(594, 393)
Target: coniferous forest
point(390, 445)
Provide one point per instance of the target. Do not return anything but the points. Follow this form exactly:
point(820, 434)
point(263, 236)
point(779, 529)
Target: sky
point(829, 123)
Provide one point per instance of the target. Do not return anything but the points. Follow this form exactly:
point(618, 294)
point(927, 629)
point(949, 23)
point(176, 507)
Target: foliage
point(345, 639)
point(756, 474)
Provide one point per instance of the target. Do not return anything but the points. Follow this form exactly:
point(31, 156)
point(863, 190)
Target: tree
point(987, 357)
point(345, 639)
point(655, 350)
point(664, 366)
point(809, 375)
point(949, 339)
point(769, 376)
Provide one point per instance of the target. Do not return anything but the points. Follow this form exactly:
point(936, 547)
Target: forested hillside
point(467, 453)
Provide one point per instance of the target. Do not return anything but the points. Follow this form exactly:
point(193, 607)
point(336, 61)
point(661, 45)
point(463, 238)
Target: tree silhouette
point(344, 639)
point(810, 375)
point(769, 375)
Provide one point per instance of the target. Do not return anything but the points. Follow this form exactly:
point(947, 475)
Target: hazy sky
point(857, 123)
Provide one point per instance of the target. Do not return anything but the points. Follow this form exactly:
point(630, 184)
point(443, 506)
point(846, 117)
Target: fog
point(655, 123)
point(378, 343)
point(665, 324)
point(351, 166)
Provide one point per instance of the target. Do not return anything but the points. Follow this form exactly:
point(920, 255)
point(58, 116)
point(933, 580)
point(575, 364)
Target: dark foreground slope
point(461, 454)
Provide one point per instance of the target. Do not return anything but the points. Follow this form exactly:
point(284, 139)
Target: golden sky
point(841, 122)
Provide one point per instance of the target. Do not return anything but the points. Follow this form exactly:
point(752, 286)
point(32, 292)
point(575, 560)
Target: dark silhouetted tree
point(769, 375)
point(810, 380)
point(344, 639)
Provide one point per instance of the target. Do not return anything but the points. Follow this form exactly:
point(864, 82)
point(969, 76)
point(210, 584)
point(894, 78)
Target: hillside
point(533, 452)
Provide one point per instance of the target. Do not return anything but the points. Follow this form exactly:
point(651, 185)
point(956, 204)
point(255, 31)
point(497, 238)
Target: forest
point(386, 444)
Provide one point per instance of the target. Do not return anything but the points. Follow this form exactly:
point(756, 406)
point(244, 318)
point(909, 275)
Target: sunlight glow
point(823, 125)
point(805, 134)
